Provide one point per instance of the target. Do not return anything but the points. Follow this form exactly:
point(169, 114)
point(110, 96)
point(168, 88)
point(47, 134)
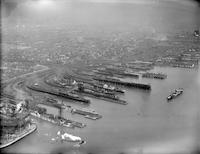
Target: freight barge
point(123, 83)
point(59, 93)
point(154, 75)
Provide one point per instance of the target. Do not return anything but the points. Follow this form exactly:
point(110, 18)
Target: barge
point(123, 83)
point(175, 94)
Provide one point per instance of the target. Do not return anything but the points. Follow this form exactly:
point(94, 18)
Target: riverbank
point(31, 129)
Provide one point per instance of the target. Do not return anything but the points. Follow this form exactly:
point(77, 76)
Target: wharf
point(87, 113)
point(106, 97)
point(154, 75)
point(59, 93)
point(58, 120)
point(121, 72)
point(99, 90)
point(129, 74)
point(183, 65)
point(110, 89)
point(127, 84)
point(103, 72)
point(180, 64)
point(139, 68)
point(73, 123)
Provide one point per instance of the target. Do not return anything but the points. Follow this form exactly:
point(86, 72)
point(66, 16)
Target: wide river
point(147, 124)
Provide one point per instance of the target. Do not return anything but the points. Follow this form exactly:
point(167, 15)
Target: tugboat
point(176, 93)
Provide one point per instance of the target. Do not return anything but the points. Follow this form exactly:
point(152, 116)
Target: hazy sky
point(146, 13)
point(9, 5)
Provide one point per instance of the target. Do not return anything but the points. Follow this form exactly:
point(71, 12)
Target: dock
point(123, 83)
point(154, 75)
point(67, 95)
point(58, 120)
point(91, 92)
point(86, 113)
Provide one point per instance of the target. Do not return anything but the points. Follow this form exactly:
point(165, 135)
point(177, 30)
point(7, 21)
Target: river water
point(148, 124)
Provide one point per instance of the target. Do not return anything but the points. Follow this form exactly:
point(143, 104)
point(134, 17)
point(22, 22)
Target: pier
point(86, 113)
point(58, 120)
point(59, 93)
point(127, 84)
point(154, 75)
point(111, 97)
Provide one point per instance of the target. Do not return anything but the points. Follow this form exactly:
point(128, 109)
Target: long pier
point(59, 93)
point(154, 75)
point(106, 97)
point(93, 115)
point(127, 84)
point(58, 120)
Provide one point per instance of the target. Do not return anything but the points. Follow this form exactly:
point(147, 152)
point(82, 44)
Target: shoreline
point(19, 138)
